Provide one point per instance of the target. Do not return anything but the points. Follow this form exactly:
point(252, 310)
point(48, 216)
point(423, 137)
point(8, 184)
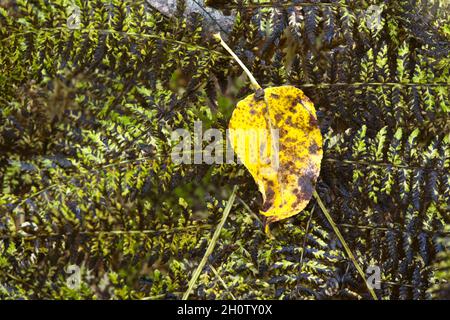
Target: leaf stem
point(253, 81)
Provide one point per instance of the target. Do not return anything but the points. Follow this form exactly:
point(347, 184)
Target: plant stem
point(211, 245)
point(253, 81)
point(222, 281)
point(344, 243)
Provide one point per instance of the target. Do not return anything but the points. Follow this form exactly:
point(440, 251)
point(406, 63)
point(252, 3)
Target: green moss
point(86, 176)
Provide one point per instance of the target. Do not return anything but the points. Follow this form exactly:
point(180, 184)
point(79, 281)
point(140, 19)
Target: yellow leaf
point(285, 172)
point(285, 193)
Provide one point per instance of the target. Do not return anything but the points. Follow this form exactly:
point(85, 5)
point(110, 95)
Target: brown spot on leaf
point(274, 95)
point(283, 132)
point(310, 171)
point(289, 140)
point(301, 196)
point(266, 206)
point(289, 167)
point(296, 203)
point(284, 179)
point(278, 117)
point(313, 147)
point(289, 121)
point(306, 186)
point(293, 106)
point(312, 121)
point(270, 197)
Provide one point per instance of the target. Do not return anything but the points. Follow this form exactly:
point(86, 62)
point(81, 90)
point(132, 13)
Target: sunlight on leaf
point(285, 178)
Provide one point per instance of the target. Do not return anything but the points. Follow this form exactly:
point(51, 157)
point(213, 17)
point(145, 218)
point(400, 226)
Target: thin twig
point(306, 235)
point(110, 31)
point(249, 210)
point(145, 35)
point(283, 5)
point(372, 84)
point(30, 237)
point(221, 281)
point(300, 264)
point(380, 164)
point(211, 245)
point(344, 243)
point(160, 296)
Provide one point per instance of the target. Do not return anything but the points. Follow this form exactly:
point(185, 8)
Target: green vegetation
point(86, 176)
